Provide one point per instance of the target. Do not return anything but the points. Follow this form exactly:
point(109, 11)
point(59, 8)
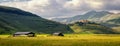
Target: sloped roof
point(23, 32)
point(57, 33)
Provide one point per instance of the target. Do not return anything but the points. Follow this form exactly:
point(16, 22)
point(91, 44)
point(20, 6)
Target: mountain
point(91, 28)
point(91, 15)
point(105, 18)
point(115, 22)
point(111, 18)
point(13, 20)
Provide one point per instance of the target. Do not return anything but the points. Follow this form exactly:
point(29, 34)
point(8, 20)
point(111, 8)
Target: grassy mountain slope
point(12, 20)
point(108, 19)
point(91, 29)
point(111, 20)
point(115, 21)
point(91, 15)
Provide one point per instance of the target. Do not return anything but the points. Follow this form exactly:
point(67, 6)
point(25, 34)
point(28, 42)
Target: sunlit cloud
point(62, 8)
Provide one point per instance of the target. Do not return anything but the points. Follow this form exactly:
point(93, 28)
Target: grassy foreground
point(67, 40)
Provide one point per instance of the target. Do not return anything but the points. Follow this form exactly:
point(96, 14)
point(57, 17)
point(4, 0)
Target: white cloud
point(62, 8)
point(73, 4)
point(96, 4)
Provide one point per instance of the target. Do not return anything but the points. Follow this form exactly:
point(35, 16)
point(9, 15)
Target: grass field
point(67, 40)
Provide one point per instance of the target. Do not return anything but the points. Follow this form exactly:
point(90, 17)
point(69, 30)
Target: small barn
point(29, 34)
point(58, 34)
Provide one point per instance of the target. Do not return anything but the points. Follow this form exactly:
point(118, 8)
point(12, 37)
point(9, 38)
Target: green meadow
point(67, 40)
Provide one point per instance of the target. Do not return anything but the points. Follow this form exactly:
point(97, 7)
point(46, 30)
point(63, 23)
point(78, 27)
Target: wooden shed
point(58, 34)
point(29, 34)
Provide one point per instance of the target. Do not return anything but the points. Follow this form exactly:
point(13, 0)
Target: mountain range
point(95, 16)
point(105, 18)
point(14, 19)
point(91, 28)
point(17, 20)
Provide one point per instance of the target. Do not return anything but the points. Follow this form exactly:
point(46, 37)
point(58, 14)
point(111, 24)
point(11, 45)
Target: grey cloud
point(5, 1)
point(63, 8)
point(111, 5)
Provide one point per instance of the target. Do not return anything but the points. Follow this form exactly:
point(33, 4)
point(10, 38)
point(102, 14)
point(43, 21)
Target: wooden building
point(29, 34)
point(58, 34)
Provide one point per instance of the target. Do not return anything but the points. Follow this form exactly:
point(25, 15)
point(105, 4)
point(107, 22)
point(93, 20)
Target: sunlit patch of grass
point(67, 40)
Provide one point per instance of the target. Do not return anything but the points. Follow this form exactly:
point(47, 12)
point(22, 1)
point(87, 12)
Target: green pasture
point(67, 40)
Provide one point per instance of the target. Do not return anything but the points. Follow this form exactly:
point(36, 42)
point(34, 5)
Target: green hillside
point(13, 19)
point(105, 18)
point(91, 15)
point(91, 28)
point(115, 21)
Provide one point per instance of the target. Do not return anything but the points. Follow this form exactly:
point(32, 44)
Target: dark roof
point(23, 32)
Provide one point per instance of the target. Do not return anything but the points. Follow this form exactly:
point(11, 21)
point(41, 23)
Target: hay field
point(67, 40)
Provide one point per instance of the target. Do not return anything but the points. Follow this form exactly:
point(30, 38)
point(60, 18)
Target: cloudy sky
point(62, 8)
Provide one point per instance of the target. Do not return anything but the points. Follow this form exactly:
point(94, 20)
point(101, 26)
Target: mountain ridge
point(91, 15)
point(13, 20)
